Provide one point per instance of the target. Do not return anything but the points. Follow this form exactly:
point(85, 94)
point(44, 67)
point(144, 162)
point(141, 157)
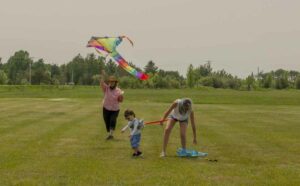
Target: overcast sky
point(235, 35)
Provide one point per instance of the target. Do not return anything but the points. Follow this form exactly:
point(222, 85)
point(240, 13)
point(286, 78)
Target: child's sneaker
point(162, 154)
point(139, 153)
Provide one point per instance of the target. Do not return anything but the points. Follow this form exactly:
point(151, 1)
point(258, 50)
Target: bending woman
point(179, 111)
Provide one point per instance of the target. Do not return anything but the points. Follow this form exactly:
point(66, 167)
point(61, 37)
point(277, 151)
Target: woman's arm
point(103, 85)
point(193, 127)
point(168, 111)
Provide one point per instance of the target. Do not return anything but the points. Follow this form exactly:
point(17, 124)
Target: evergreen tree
point(151, 68)
point(190, 76)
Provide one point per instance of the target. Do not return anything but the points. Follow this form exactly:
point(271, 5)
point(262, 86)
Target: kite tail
point(127, 39)
point(122, 63)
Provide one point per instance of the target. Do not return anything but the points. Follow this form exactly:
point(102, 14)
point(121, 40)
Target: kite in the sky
point(107, 46)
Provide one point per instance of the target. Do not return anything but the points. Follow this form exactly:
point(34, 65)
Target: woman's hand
point(120, 98)
point(161, 121)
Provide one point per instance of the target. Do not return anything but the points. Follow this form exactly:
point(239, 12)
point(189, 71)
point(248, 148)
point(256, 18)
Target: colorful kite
point(107, 46)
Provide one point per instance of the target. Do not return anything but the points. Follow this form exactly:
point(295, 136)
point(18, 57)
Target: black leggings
point(110, 119)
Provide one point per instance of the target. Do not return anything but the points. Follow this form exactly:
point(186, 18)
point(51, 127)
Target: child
point(135, 126)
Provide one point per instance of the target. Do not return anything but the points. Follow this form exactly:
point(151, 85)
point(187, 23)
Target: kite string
point(105, 57)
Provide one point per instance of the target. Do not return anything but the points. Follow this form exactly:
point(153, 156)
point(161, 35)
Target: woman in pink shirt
point(112, 97)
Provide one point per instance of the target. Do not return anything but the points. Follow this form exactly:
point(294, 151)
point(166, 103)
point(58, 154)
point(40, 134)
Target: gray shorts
point(180, 121)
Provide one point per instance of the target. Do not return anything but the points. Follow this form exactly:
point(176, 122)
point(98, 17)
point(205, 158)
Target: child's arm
point(193, 127)
point(124, 128)
point(166, 114)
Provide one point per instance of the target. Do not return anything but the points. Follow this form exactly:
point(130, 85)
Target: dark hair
point(129, 112)
point(185, 102)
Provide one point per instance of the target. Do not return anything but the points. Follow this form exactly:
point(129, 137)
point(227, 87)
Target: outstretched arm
point(103, 85)
point(193, 127)
point(168, 111)
point(124, 128)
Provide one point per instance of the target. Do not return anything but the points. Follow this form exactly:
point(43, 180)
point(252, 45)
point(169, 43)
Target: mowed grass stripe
point(25, 119)
point(30, 150)
point(252, 146)
point(22, 110)
point(56, 149)
point(28, 132)
point(253, 129)
point(241, 154)
point(40, 125)
point(272, 129)
point(35, 114)
point(202, 95)
point(11, 107)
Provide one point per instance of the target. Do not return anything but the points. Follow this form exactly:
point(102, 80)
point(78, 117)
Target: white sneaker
point(162, 154)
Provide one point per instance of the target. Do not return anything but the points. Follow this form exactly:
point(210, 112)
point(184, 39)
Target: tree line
point(21, 69)
point(204, 75)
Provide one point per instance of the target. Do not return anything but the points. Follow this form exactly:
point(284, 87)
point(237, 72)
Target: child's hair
point(129, 112)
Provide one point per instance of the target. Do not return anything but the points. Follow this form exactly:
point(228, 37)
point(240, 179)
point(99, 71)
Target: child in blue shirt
point(135, 127)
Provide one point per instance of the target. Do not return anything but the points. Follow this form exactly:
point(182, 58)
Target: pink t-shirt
point(110, 101)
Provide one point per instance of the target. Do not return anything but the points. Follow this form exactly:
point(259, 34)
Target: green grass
point(55, 136)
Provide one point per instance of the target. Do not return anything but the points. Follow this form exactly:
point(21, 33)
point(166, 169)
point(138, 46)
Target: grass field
point(55, 136)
